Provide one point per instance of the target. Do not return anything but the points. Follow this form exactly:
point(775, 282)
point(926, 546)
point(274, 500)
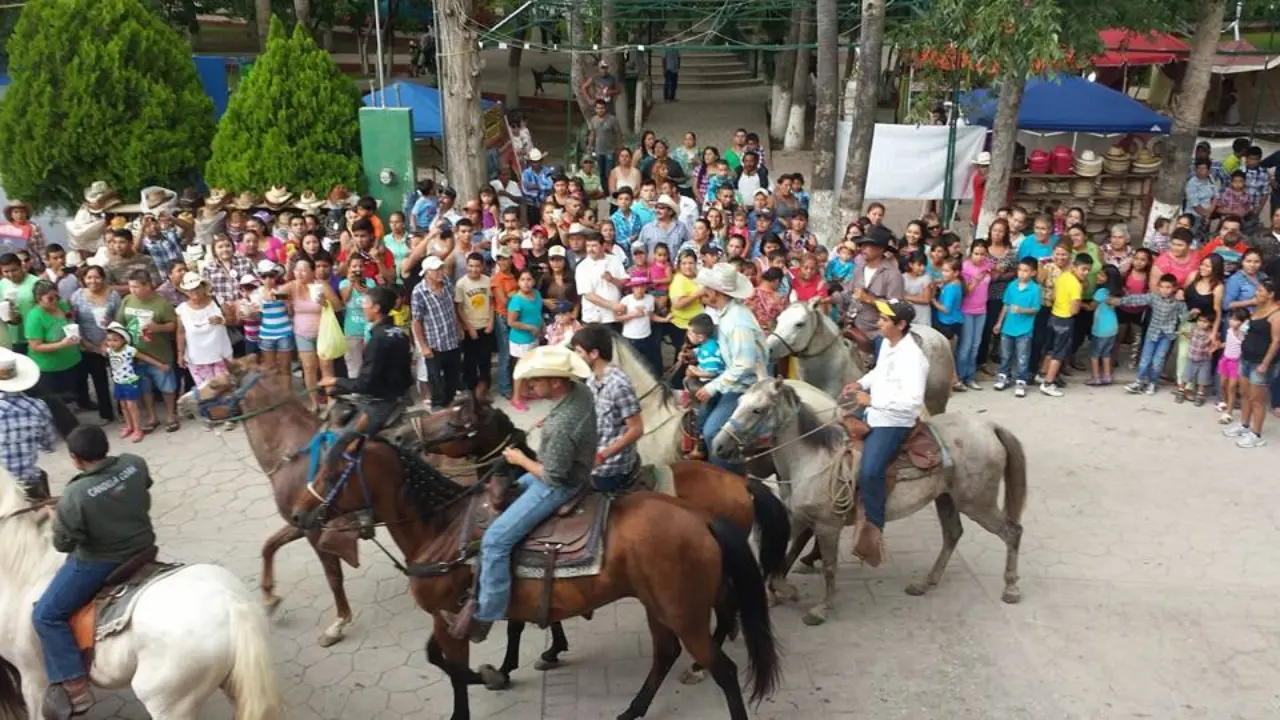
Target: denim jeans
point(1154, 349)
point(534, 505)
point(604, 164)
point(504, 356)
point(75, 584)
point(718, 411)
point(670, 79)
point(1015, 357)
point(878, 451)
point(967, 350)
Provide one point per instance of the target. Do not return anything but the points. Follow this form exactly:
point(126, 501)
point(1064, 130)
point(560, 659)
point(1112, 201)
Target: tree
point(262, 16)
point(294, 121)
point(609, 39)
point(794, 137)
point(460, 83)
point(866, 93)
point(827, 100)
point(783, 79)
point(74, 111)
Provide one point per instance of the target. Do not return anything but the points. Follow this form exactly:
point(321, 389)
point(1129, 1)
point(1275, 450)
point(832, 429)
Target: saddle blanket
point(111, 610)
point(570, 543)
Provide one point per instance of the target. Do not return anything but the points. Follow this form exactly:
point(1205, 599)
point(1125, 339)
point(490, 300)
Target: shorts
point(1100, 347)
point(201, 374)
point(128, 393)
point(280, 344)
point(153, 378)
point(1060, 332)
point(950, 332)
point(1249, 371)
point(250, 347)
point(1228, 368)
point(305, 344)
point(519, 350)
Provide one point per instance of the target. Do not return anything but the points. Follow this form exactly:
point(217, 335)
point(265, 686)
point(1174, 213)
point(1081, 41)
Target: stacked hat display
point(1116, 161)
point(1088, 164)
point(1081, 187)
point(1145, 163)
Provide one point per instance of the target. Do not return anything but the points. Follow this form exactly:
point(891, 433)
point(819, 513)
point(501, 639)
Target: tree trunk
point(609, 39)
point(783, 78)
point(794, 138)
point(822, 193)
point(262, 16)
point(514, 55)
point(577, 70)
point(853, 188)
point(1004, 139)
point(464, 124)
point(1188, 106)
point(326, 39)
point(642, 88)
point(302, 13)
point(389, 39)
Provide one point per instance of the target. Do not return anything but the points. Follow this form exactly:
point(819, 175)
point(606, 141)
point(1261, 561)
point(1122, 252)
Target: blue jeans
point(717, 412)
point(1015, 357)
point(74, 585)
point(878, 450)
point(538, 501)
point(967, 349)
point(1154, 349)
point(604, 164)
point(504, 356)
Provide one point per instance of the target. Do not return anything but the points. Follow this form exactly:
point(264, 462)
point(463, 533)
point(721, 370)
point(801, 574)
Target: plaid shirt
point(1166, 312)
point(225, 283)
point(26, 426)
point(1257, 182)
point(165, 249)
point(615, 403)
point(439, 317)
point(1199, 344)
point(1233, 202)
point(568, 446)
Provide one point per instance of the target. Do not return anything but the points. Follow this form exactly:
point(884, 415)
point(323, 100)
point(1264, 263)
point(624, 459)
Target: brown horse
point(474, 429)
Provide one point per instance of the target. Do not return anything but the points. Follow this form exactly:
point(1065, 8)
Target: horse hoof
point(917, 589)
point(813, 619)
point(493, 678)
point(693, 677)
point(545, 664)
point(1011, 595)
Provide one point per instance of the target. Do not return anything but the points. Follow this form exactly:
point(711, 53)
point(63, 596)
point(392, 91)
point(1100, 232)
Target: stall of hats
point(1115, 187)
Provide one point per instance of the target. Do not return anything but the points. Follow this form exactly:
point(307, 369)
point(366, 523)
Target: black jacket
point(386, 373)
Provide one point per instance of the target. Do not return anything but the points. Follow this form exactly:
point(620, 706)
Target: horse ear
point(815, 303)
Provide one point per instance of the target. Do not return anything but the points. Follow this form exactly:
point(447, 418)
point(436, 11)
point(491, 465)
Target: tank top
point(1257, 340)
point(275, 319)
point(1134, 284)
point(628, 179)
point(306, 315)
point(1197, 300)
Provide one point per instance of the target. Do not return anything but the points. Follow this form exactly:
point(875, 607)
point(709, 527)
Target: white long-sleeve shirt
point(896, 385)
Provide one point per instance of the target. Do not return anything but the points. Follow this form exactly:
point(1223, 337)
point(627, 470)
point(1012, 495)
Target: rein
point(729, 428)
point(38, 505)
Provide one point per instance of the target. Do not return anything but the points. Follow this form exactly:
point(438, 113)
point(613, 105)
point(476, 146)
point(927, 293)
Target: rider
point(384, 378)
point(875, 277)
point(102, 520)
point(567, 454)
point(26, 424)
point(619, 425)
point(893, 394)
point(741, 344)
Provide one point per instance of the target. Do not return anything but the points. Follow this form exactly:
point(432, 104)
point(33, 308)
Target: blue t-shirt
point(952, 294)
point(354, 323)
point(1019, 324)
point(708, 357)
point(1032, 249)
point(1105, 323)
point(529, 312)
point(839, 270)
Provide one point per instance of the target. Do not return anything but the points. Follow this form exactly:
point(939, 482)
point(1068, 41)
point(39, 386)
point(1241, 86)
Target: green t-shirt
point(40, 325)
point(26, 301)
point(160, 346)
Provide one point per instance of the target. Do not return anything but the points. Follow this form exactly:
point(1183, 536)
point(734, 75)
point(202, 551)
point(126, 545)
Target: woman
point(1003, 260)
point(913, 239)
point(1118, 250)
point(976, 273)
point(398, 240)
point(309, 297)
point(1257, 367)
point(54, 348)
point(275, 332)
point(672, 170)
point(19, 232)
point(1076, 216)
point(687, 156)
point(1242, 287)
point(702, 175)
point(521, 138)
point(203, 345)
point(715, 223)
point(310, 248)
point(1203, 295)
point(685, 305)
point(93, 306)
point(558, 285)
point(645, 153)
point(225, 268)
point(785, 202)
point(1178, 260)
point(1059, 263)
point(624, 174)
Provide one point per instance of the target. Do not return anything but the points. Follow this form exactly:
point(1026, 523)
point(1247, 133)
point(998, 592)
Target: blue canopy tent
point(1069, 104)
point(424, 102)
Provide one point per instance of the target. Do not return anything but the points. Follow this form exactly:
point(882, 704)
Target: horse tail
point(774, 525)
point(252, 684)
point(740, 569)
point(1015, 475)
point(12, 704)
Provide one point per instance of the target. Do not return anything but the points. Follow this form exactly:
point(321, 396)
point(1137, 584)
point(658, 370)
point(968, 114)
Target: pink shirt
point(1166, 263)
point(975, 300)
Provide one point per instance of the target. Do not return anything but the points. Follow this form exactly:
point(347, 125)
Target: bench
point(550, 75)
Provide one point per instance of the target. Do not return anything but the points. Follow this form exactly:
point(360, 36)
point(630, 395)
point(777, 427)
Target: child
point(840, 267)
point(121, 356)
point(702, 353)
point(1167, 309)
point(976, 274)
point(710, 255)
point(1229, 364)
point(563, 326)
point(1200, 349)
point(917, 288)
point(660, 278)
point(1068, 296)
point(1015, 325)
point(248, 311)
point(938, 255)
point(766, 303)
point(722, 178)
point(778, 259)
point(1158, 240)
point(948, 319)
point(1106, 325)
point(401, 314)
point(639, 260)
point(807, 283)
point(235, 225)
point(637, 322)
point(524, 318)
point(354, 291)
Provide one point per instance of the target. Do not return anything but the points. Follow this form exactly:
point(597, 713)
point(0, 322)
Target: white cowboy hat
point(666, 200)
point(17, 372)
point(190, 281)
point(266, 267)
point(277, 197)
point(724, 279)
point(536, 155)
point(308, 202)
point(552, 361)
point(120, 330)
point(984, 158)
point(100, 196)
point(156, 199)
point(577, 229)
point(556, 251)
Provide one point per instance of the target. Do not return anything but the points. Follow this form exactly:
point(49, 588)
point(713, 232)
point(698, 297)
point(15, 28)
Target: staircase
point(705, 70)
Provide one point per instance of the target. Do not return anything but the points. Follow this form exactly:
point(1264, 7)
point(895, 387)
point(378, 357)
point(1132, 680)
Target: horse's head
point(761, 412)
point(795, 330)
point(221, 398)
point(471, 427)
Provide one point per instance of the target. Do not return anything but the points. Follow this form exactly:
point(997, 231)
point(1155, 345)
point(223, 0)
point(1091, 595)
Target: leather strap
point(548, 579)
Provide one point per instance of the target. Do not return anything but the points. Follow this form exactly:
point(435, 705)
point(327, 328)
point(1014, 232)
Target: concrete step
point(710, 83)
point(739, 74)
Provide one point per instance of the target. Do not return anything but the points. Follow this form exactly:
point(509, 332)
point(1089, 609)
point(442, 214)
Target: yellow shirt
point(682, 286)
point(1066, 291)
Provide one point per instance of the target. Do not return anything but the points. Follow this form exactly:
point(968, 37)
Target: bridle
point(753, 434)
point(803, 352)
point(233, 401)
point(468, 431)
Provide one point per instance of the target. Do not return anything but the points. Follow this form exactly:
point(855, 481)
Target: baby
point(561, 331)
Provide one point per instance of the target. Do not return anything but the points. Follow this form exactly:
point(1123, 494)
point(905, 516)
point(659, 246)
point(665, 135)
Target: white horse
point(193, 631)
point(829, 362)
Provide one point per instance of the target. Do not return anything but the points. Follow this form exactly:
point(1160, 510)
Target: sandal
point(150, 427)
point(172, 427)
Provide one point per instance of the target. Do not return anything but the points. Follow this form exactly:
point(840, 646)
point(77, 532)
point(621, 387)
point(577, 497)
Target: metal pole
point(948, 209)
point(435, 23)
point(377, 30)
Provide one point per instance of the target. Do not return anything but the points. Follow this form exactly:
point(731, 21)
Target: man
point(600, 279)
point(737, 146)
point(753, 177)
point(1257, 182)
point(161, 240)
point(628, 221)
point(447, 214)
point(601, 86)
point(665, 228)
point(763, 224)
point(26, 425)
point(123, 262)
point(507, 189)
point(379, 263)
point(436, 329)
point(875, 277)
point(385, 374)
point(474, 298)
point(102, 520)
point(741, 345)
point(1229, 245)
point(17, 293)
point(1200, 192)
point(57, 271)
point(152, 323)
point(604, 137)
point(565, 459)
point(670, 73)
point(536, 184)
point(892, 394)
point(619, 425)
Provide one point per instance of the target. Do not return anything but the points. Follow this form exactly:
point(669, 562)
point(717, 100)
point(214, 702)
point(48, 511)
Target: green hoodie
point(104, 512)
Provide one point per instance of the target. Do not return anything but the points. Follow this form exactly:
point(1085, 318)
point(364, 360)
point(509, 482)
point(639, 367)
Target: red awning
point(1133, 48)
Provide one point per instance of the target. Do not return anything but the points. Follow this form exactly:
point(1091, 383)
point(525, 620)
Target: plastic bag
point(331, 344)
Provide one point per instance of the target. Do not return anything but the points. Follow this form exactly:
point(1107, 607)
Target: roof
point(1133, 48)
point(422, 100)
point(1230, 64)
point(1069, 103)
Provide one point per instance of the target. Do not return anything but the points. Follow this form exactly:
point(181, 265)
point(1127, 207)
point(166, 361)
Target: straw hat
point(308, 202)
point(1145, 163)
point(1081, 187)
point(536, 155)
point(16, 205)
point(552, 361)
point(666, 200)
point(1035, 186)
point(192, 255)
point(1116, 161)
point(100, 197)
point(189, 198)
point(218, 199)
point(1088, 164)
point(191, 281)
point(1095, 226)
point(156, 199)
point(1133, 186)
point(1110, 187)
point(277, 197)
point(121, 330)
point(1059, 187)
point(1103, 206)
point(723, 278)
point(17, 372)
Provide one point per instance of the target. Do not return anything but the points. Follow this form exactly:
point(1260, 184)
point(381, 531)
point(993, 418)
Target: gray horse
point(817, 471)
point(828, 361)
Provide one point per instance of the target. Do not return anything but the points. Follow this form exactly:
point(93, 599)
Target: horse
point(192, 631)
point(815, 460)
point(825, 359)
point(682, 566)
point(473, 428)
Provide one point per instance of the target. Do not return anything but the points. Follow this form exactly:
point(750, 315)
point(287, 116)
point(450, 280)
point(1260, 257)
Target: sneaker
point(1250, 440)
point(1002, 382)
point(973, 385)
point(1135, 387)
point(1151, 390)
point(1225, 419)
point(1021, 389)
point(958, 387)
point(1106, 380)
point(1235, 430)
point(1039, 379)
point(1093, 381)
point(1050, 390)
point(1221, 407)
point(1199, 401)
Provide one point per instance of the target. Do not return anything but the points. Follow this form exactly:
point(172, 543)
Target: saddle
point(111, 610)
point(921, 453)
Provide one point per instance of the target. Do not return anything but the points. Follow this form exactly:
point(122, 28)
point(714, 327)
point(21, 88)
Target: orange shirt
point(504, 286)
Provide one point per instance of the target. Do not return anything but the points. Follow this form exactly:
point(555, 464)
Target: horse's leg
point(726, 625)
point(666, 649)
point(779, 589)
point(995, 522)
point(550, 657)
point(829, 542)
point(949, 518)
point(279, 539)
point(500, 678)
point(808, 561)
point(452, 656)
point(723, 671)
point(333, 575)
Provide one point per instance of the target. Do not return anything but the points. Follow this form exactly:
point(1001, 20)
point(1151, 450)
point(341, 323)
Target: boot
point(65, 700)
point(868, 541)
point(463, 625)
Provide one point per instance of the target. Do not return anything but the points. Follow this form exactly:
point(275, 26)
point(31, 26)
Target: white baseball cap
point(432, 263)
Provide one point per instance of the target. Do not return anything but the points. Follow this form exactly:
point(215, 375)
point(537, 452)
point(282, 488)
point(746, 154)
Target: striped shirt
point(275, 324)
point(742, 346)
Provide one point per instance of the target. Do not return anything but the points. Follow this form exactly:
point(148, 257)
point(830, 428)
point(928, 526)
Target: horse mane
point(814, 432)
point(428, 489)
point(25, 545)
point(625, 357)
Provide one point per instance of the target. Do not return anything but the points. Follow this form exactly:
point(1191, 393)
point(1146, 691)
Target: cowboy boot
point(868, 541)
point(67, 699)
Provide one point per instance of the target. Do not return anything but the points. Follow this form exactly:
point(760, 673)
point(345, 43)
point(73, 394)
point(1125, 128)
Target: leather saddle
point(112, 608)
point(921, 453)
point(569, 543)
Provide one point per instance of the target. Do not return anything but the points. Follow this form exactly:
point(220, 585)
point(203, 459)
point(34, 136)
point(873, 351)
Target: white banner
point(909, 162)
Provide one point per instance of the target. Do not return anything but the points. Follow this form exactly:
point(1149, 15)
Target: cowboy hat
point(99, 196)
point(340, 197)
point(190, 281)
point(218, 198)
point(16, 205)
point(277, 197)
point(308, 202)
point(577, 229)
point(17, 372)
point(723, 278)
point(984, 158)
point(246, 200)
point(189, 198)
point(552, 361)
point(156, 199)
point(192, 255)
point(120, 330)
point(666, 200)
point(536, 155)
point(266, 267)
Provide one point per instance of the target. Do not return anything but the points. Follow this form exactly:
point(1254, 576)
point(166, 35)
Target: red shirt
point(806, 291)
point(382, 260)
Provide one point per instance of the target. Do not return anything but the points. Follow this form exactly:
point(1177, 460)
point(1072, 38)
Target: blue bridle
point(230, 402)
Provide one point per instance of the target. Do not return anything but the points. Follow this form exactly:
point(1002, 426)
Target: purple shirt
point(975, 300)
